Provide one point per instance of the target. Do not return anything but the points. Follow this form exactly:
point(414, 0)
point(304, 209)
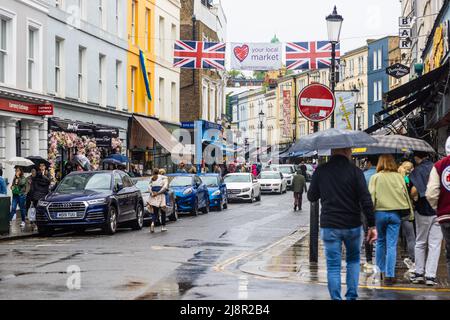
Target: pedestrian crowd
point(377, 206)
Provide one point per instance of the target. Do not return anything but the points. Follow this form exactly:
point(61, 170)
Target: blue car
point(92, 199)
point(191, 194)
point(217, 190)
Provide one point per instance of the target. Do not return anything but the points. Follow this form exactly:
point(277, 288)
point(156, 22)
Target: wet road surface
point(250, 251)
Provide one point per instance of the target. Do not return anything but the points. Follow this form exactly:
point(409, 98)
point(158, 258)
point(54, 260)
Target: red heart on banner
point(241, 53)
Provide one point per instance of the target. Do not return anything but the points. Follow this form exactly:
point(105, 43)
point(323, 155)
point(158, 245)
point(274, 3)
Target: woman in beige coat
point(159, 184)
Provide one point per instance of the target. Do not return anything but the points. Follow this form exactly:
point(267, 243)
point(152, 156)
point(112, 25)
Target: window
point(81, 8)
point(118, 31)
point(4, 48)
point(377, 90)
point(133, 89)
point(161, 37)
point(133, 21)
point(33, 57)
point(380, 59)
point(101, 80)
point(58, 65)
point(375, 60)
point(174, 98)
point(147, 29)
point(81, 73)
point(173, 35)
point(380, 90)
point(360, 65)
point(118, 84)
point(161, 97)
point(102, 13)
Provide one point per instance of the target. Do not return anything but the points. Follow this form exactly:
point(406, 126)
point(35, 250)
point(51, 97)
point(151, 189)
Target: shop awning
point(417, 84)
point(156, 130)
point(416, 93)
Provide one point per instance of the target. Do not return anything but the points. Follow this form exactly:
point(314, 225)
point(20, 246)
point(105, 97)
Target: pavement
point(16, 232)
point(253, 251)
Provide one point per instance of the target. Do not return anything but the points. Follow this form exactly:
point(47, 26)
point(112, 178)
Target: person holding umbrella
point(40, 184)
point(18, 188)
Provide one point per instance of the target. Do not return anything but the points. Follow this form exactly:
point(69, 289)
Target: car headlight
point(245, 189)
point(216, 193)
point(97, 201)
point(42, 203)
point(187, 191)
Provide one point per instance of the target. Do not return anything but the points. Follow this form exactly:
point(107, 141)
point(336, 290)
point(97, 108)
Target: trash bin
point(5, 205)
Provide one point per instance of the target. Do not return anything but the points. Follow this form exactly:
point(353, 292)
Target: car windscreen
point(237, 178)
point(210, 181)
point(180, 181)
point(143, 185)
point(287, 170)
point(269, 175)
point(100, 182)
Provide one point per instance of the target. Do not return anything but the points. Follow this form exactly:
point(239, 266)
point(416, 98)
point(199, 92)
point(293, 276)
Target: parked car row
point(111, 199)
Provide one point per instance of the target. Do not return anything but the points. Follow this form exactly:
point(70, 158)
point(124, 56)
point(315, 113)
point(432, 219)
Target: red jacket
point(443, 208)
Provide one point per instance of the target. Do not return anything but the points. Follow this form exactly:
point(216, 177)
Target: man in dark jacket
point(428, 230)
point(342, 189)
point(298, 186)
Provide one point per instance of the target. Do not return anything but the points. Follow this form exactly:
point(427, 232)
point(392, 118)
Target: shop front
point(68, 138)
point(153, 144)
point(23, 128)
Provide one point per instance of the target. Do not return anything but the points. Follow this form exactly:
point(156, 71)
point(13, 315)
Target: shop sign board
point(26, 108)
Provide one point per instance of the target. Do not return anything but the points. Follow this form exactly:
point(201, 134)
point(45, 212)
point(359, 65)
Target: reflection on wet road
point(250, 251)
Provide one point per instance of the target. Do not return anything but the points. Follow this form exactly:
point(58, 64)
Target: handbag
point(32, 214)
point(16, 190)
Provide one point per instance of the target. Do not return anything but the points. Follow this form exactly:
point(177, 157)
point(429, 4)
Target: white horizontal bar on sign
point(310, 102)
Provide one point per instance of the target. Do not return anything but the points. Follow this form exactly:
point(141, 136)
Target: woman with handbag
point(157, 201)
point(391, 201)
point(18, 188)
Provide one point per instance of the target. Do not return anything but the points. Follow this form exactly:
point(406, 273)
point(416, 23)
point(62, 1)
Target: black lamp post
point(334, 25)
point(260, 127)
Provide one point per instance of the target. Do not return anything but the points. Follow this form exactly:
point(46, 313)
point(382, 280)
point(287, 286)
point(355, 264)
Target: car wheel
point(194, 210)
point(221, 206)
point(111, 221)
point(205, 210)
point(139, 222)
point(45, 231)
point(252, 198)
point(174, 216)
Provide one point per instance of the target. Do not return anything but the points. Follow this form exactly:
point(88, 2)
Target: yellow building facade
point(141, 35)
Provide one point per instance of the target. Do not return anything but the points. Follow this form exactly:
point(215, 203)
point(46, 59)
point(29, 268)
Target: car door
point(132, 196)
point(119, 191)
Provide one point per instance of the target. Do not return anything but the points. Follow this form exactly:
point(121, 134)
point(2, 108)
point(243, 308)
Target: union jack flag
point(199, 55)
point(309, 55)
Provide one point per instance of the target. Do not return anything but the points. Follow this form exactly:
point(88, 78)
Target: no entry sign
point(316, 102)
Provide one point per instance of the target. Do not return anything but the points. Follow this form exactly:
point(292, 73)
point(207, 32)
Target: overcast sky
point(303, 20)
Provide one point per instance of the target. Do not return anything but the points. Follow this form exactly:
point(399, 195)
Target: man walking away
point(429, 235)
point(343, 191)
point(438, 195)
point(298, 186)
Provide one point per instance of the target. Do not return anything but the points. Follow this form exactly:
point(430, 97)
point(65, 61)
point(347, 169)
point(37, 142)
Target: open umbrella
point(119, 157)
point(19, 162)
point(371, 150)
point(332, 139)
point(37, 160)
point(83, 161)
point(112, 161)
point(403, 142)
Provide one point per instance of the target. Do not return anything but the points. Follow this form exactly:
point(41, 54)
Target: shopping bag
point(32, 214)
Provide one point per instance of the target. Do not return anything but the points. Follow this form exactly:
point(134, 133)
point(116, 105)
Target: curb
point(6, 238)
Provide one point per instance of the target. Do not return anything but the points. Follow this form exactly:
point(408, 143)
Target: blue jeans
point(388, 228)
point(333, 239)
point(18, 201)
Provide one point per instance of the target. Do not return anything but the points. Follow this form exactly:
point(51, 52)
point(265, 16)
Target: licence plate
point(232, 195)
point(66, 215)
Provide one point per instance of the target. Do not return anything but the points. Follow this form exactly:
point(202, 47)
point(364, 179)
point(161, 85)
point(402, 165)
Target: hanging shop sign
point(398, 70)
point(405, 32)
point(26, 108)
point(316, 102)
point(256, 56)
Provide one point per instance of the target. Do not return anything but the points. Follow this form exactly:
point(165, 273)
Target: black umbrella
point(372, 150)
point(332, 139)
point(37, 160)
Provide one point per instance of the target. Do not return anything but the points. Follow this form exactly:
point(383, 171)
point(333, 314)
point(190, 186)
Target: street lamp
point(334, 25)
point(261, 126)
point(358, 108)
